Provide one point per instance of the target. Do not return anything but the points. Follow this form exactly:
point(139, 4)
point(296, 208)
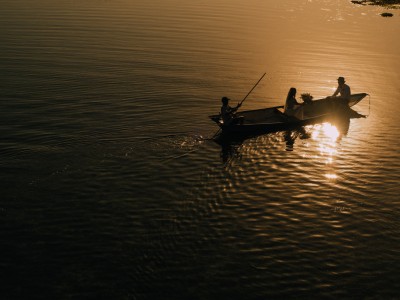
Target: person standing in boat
point(227, 112)
point(291, 104)
point(343, 89)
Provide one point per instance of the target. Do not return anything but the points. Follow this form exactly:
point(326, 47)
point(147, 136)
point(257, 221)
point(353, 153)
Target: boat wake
point(175, 146)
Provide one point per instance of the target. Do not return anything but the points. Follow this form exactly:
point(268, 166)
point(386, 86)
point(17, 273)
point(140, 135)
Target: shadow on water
point(291, 135)
point(230, 149)
point(231, 144)
point(342, 121)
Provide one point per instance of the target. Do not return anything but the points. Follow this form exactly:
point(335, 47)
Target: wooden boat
point(273, 119)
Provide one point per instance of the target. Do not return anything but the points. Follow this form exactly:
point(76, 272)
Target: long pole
point(252, 89)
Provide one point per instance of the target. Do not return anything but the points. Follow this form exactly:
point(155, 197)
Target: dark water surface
point(112, 189)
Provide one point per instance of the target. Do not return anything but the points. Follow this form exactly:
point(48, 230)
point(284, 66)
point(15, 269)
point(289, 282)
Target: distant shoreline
point(387, 3)
point(390, 4)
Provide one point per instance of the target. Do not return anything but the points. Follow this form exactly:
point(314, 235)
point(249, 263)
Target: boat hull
point(273, 119)
point(272, 127)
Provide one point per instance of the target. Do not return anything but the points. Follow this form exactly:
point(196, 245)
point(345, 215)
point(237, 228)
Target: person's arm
point(336, 92)
point(236, 107)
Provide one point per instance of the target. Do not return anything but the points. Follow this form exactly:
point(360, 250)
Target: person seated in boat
point(291, 104)
point(343, 90)
point(228, 113)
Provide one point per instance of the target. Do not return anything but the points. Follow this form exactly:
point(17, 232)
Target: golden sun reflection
point(327, 130)
point(331, 176)
point(327, 150)
point(331, 131)
point(326, 135)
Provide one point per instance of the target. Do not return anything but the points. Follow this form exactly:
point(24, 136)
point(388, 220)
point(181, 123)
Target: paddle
point(240, 104)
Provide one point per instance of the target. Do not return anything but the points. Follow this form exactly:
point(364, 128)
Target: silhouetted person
point(227, 112)
point(291, 104)
point(343, 89)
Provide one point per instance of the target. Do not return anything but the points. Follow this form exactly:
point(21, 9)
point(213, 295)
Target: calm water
point(112, 189)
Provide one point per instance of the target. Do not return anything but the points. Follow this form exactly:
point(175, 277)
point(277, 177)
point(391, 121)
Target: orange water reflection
point(327, 135)
point(326, 131)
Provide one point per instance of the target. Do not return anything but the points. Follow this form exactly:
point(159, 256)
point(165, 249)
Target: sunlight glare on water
point(114, 188)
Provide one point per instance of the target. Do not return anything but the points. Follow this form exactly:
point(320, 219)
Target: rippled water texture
point(111, 184)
